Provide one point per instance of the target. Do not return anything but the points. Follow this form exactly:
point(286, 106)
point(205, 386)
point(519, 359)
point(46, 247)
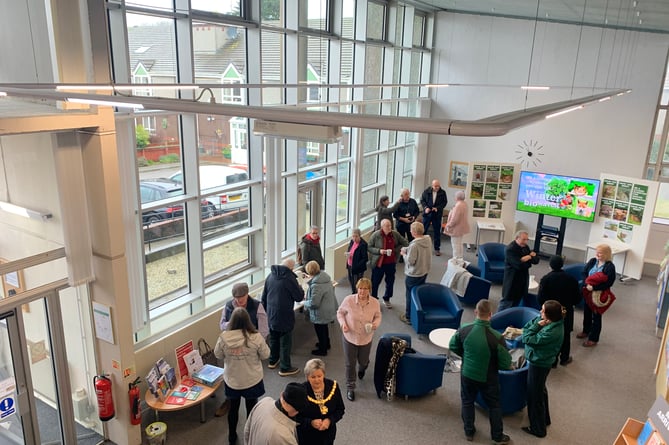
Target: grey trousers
point(355, 354)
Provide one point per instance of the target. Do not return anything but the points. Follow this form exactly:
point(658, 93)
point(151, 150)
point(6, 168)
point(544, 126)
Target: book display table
point(159, 405)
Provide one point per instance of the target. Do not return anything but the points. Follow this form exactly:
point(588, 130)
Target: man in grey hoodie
point(418, 261)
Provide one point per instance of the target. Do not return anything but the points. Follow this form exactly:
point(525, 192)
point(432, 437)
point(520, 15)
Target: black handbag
point(207, 354)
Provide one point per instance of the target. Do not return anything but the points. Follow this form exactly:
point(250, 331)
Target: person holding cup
point(384, 250)
point(358, 316)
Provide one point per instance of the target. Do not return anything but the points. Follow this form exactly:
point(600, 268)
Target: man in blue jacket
point(279, 295)
point(483, 353)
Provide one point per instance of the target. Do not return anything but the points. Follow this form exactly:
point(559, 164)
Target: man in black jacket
point(279, 295)
point(518, 258)
point(406, 213)
point(558, 285)
point(433, 201)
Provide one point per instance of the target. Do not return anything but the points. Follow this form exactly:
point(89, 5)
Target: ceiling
point(642, 15)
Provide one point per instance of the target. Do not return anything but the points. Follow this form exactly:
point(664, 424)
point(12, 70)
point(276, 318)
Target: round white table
point(442, 337)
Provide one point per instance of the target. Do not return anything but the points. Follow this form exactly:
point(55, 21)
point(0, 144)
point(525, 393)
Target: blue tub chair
point(491, 261)
point(530, 300)
point(513, 316)
point(513, 390)
point(434, 306)
point(417, 373)
point(477, 289)
point(576, 271)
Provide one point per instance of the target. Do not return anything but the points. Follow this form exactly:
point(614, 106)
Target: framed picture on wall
point(458, 174)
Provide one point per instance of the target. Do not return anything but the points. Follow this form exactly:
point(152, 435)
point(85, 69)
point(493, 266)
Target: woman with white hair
point(457, 225)
point(324, 409)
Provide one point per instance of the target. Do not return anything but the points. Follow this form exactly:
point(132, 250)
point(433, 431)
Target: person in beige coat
point(457, 224)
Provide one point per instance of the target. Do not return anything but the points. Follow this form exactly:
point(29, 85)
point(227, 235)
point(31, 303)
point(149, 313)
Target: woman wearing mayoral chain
point(325, 407)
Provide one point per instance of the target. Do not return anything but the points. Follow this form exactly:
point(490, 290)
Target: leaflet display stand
point(549, 235)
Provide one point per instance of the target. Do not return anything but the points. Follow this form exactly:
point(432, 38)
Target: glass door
point(310, 205)
point(17, 413)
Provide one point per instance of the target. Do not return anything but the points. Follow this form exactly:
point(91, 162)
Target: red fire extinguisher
point(133, 396)
point(103, 391)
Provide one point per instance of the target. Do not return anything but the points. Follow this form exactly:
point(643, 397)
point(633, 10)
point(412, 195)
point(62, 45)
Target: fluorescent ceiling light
point(2, 93)
point(156, 87)
point(548, 116)
point(328, 134)
point(84, 87)
point(531, 87)
point(22, 211)
point(139, 86)
point(109, 103)
point(605, 99)
point(436, 85)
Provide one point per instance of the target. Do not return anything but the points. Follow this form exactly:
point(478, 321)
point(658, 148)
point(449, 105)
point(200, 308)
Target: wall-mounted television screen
point(558, 195)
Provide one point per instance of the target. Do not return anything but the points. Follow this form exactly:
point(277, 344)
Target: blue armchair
point(530, 300)
point(513, 316)
point(477, 289)
point(491, 261)
point(576, 271)
point(417, 373)
point(513, 390)
point(434, 306)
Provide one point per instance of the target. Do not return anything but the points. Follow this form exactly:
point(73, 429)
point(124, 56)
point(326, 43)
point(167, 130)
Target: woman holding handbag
point(599, 266)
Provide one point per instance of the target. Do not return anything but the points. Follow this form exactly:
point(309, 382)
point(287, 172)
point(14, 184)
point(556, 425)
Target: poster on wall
point(478, 208)
point(624, 202)
point(624, 220)
point(490, 183)
point(491, 194)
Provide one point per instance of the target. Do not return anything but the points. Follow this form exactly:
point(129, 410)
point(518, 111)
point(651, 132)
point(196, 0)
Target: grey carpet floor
point(589, 400)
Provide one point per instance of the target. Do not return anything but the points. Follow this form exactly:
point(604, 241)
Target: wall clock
point(529, 153)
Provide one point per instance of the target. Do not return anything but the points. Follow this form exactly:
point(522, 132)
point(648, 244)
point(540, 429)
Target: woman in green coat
point(543, 339)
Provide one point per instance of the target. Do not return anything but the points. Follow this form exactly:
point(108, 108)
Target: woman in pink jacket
point(359, 316)
point(457, 224)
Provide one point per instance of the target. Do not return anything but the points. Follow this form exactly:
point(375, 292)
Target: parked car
point(216, 176)
point(162, 188)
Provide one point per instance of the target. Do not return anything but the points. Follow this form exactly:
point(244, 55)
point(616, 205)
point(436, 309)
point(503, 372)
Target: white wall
point(494, 54)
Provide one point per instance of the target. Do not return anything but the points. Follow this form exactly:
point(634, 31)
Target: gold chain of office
point(321, 402)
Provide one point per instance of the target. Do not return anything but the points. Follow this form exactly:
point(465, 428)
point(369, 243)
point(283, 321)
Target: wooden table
point(157, 405)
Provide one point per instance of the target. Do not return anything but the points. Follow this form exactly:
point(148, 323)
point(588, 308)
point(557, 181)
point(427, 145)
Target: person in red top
point(310, 248)
point(384, 250)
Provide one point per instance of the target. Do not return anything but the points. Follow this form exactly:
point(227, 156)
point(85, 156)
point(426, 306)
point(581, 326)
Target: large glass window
point(657, 166)
point(314, 14)
point(376, 21)
point(272, 64)
point(228, 7)
point(348, 19)
point(152, 49)
point(199, 174)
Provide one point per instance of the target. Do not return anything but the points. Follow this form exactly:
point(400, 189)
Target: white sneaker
point(387, 303)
